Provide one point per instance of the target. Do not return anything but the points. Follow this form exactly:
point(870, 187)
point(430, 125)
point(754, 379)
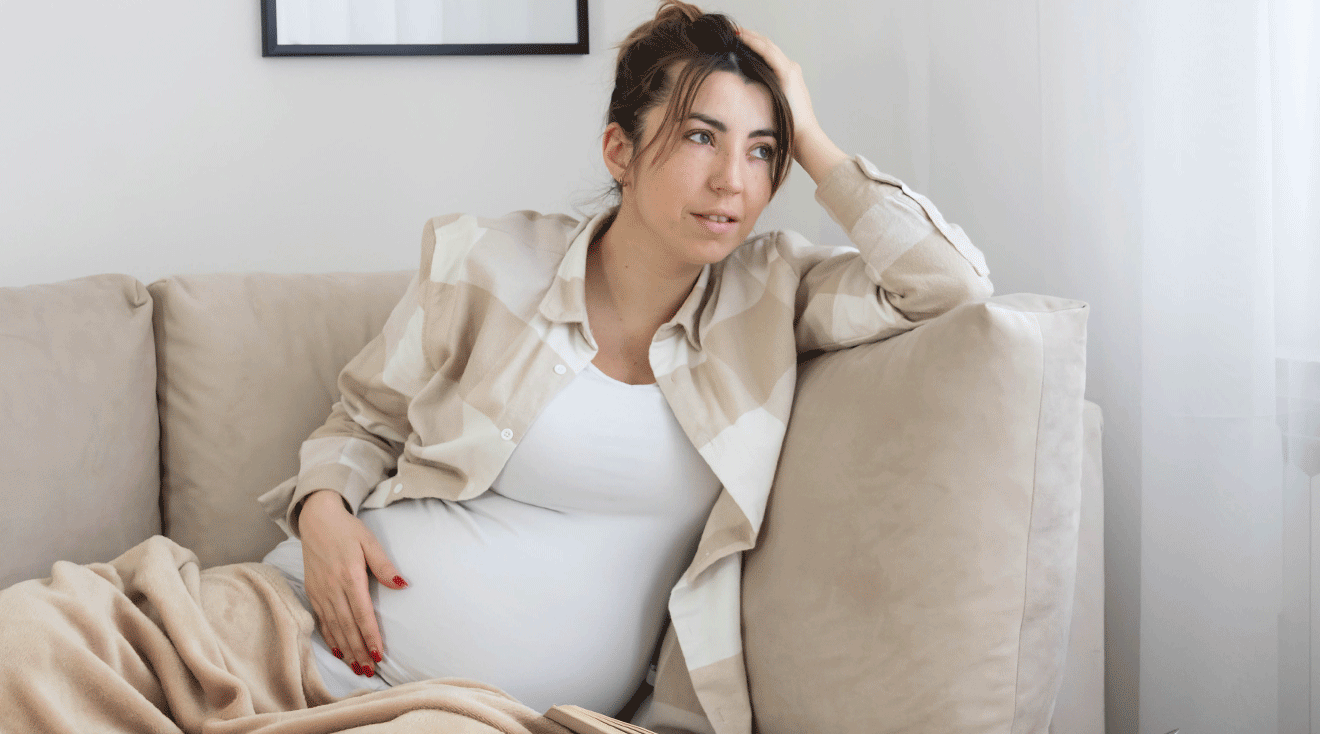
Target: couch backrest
point(247, 366)
point(79, 463)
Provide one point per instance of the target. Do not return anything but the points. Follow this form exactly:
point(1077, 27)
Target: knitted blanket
point(149, 642)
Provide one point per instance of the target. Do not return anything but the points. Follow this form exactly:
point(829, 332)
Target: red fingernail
point(375, 655)
point(398, 581)
point(357, 669)
point(337, 653)
point(367, 671)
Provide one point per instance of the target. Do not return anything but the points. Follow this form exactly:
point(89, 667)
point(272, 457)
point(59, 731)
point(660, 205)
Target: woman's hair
point(694, 44)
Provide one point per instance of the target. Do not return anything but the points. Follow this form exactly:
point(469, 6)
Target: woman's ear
point(617, 151)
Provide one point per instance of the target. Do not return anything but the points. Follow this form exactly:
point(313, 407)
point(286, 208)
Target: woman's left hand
point(812, 148)
point(790, 77)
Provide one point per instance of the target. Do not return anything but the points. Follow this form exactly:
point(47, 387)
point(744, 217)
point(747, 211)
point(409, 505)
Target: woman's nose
point(728, 174)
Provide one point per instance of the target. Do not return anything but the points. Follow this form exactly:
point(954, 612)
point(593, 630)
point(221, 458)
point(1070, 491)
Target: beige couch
point(960, 459)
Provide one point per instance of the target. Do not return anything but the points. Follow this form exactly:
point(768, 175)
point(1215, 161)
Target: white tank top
point(552, 585)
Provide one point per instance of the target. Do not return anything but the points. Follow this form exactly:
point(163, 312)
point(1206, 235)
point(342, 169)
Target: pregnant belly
point(550, 607)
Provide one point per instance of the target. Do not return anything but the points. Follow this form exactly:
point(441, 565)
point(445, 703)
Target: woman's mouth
point(717, 223)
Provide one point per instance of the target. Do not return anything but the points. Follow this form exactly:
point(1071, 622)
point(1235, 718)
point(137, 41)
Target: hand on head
point(790, 77)
point(812, 148)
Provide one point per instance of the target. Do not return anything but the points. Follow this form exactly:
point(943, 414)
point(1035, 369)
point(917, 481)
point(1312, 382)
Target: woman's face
point(702, 199)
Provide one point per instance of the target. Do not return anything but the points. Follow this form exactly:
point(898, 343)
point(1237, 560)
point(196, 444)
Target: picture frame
point(423, 27)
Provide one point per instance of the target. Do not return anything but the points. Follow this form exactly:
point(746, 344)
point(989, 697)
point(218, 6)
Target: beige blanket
point(151, 643)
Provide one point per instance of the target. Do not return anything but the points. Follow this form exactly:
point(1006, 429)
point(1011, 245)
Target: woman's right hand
point(339, 555)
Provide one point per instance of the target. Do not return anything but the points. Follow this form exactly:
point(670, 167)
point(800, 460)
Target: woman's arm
point(341, 462)
point(911, 264)
point(360, 442)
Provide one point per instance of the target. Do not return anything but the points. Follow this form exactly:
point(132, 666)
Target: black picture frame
point(271, 47)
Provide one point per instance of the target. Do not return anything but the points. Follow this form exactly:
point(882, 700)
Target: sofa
point(931, 557)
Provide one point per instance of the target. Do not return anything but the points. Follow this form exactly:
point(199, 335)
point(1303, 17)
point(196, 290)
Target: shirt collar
point(566, 301)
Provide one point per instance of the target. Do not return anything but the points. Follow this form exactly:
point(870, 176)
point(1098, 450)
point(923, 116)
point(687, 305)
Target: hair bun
point(713, 33)
point(676, 11)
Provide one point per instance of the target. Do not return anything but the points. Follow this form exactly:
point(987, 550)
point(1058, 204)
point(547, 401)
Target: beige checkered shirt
point(494, 324)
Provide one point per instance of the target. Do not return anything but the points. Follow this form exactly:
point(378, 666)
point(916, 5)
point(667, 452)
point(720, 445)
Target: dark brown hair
point(694, 44)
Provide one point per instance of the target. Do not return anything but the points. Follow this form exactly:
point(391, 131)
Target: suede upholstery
point(1077, 707)
point(921, 578)
point(79, 458)
point(247, 369)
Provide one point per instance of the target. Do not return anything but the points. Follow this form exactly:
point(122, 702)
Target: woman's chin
point(711, 251)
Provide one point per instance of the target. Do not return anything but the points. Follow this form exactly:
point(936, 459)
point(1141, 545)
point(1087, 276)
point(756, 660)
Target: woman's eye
point(700, 137)
point(764, 152)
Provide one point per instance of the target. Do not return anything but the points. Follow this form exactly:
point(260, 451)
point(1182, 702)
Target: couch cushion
point(915, 569)
point(248, 365)
point(79, 460)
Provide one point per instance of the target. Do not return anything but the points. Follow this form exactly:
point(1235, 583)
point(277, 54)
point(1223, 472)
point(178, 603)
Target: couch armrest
point(916, 566)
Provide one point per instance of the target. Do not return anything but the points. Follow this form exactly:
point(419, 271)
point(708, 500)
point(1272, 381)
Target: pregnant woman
point(566, 428)
point(525, 459)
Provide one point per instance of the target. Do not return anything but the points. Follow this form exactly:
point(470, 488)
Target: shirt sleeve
point(910, 264)
point(361, 442)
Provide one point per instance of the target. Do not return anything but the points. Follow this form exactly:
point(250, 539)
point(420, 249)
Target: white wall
point(152, 138)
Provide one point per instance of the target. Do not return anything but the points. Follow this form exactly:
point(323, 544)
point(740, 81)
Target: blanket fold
point(149, 642)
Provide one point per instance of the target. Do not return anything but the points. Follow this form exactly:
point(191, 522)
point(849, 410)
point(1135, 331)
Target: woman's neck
point(631, 283)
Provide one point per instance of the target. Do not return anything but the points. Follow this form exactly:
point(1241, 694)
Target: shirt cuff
point(332, 476)
point(843, 193)
point(883, 217)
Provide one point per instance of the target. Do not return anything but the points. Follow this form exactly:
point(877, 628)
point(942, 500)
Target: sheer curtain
point(1191, 129)
point(1296, 230)
point(1160, 160)
point(1230, 617)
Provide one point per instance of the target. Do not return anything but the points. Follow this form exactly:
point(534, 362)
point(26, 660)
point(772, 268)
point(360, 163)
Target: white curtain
point(1160, 160)
point(1231, 355)
point(1178, 141)
point(1295, 45)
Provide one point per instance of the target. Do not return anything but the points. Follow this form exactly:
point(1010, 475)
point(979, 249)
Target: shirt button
point(506, 434)
point(560, 369)
point(398, 488)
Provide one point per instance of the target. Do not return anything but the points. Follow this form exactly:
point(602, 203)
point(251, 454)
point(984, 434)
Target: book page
point(586, 721)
